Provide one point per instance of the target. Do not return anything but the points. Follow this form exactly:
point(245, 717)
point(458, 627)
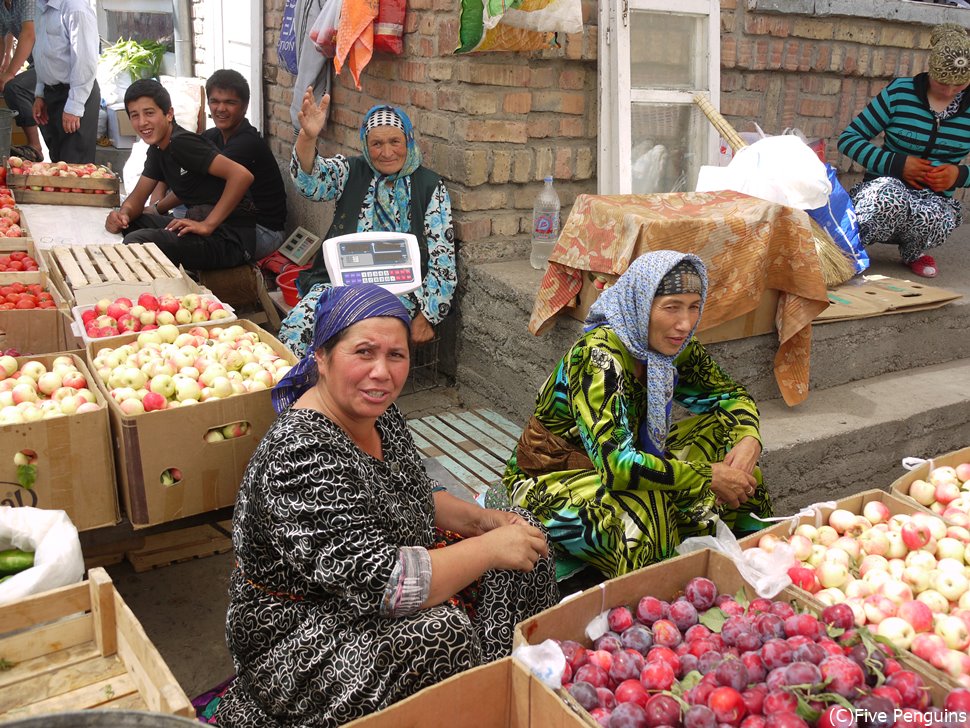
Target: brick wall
point(493, 125)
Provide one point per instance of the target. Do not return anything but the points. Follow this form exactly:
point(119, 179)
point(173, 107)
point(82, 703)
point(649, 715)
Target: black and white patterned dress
point(316, 531)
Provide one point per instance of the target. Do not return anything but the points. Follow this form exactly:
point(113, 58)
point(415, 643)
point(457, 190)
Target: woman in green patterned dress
point(600, 465)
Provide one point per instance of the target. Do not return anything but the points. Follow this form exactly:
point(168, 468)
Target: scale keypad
point(387, 275)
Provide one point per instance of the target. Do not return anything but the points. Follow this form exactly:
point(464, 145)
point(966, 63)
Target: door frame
point(214, 8)
point(614, 154)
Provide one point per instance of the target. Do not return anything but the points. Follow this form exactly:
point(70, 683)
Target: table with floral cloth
point(748, 244)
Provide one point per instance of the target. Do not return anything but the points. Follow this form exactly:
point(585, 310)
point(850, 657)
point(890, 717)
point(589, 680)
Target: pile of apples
point(121, 316)
point(906, 577)
point(946, 492)
point(16, 262)
point(166, 368)
point(18, 166)
point(30, 392)
point(10, 223)
point(21, 296)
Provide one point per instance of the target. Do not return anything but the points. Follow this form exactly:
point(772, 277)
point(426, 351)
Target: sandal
point(25, 151)
point(924, 266)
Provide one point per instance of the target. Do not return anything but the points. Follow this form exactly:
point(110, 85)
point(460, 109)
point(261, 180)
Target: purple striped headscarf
point(337, 309)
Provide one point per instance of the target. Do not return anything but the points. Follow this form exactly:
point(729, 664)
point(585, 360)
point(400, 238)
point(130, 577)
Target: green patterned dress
point(633, 508)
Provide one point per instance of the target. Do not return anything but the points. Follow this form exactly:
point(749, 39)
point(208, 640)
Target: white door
point(658, 54)
point(237, 30)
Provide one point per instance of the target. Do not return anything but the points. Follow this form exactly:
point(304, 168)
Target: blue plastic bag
point(287, 50)
point(838, 219)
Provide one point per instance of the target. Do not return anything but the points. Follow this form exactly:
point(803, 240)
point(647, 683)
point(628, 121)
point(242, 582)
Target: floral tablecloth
point(748, 244)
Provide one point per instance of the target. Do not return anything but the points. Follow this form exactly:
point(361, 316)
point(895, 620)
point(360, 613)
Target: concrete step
point(501, 362)
point(852, 437)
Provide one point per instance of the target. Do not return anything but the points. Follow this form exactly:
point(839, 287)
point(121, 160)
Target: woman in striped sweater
point(906, 196)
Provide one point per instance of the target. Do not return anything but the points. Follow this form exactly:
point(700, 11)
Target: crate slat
point(84, 698)
point(146, 259)
point(167, 265)
point(83, 260)
point(43, 640)
point(112, 253)
point(45, 607)
point(54, 684)
point(25, 671)
point(127, 252)
point(69, 267)
point(102, 264)
point(154, 679)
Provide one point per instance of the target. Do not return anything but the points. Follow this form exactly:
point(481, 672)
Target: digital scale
point(391, 260)
point(301, 246)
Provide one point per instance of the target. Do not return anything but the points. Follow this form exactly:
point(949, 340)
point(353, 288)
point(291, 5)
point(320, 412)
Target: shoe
point(923, 266)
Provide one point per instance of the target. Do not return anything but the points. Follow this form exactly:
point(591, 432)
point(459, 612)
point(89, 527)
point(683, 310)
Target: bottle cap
point(549, 179)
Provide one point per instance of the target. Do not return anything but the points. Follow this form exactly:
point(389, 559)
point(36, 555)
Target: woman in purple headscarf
point(358, 580)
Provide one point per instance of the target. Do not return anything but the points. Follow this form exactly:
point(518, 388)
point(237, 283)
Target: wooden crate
point(85, 274)
point(80, 647)
point(22, 184)
point(23, 226)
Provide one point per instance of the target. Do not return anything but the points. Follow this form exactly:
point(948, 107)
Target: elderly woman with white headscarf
point(601, 466)
point(385, 189)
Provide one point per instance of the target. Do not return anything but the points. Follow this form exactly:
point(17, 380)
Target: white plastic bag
point(323, 32)
point(57, 550)
point(767, 573)
point(546, 661)
point(781, 169)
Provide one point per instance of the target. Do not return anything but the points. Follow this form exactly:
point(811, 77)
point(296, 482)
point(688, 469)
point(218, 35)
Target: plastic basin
point(287, 283)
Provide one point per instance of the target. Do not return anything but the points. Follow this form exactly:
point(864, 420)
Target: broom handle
point(720, 123)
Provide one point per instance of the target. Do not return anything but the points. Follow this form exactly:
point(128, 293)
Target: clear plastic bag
point(323, 32)
point(767, 573)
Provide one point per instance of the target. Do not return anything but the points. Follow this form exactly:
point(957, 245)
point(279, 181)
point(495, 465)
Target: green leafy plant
point(141, 58)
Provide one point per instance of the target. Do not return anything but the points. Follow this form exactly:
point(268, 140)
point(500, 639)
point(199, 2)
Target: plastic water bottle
point(545, 225)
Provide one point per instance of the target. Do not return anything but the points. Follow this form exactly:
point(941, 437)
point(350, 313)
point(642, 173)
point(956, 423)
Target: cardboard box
point(84, 274)
point(665, 580)
point(149, 444)
point(81, 647)
point(120, 130)
point(900, 486)
point(502, 694)
point(75, 465)
point(36, 330)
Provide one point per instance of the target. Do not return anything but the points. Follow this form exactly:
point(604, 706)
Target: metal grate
point(424, 367)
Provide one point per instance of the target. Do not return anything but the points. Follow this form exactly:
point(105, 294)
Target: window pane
point(669, 143)
point(668, 50)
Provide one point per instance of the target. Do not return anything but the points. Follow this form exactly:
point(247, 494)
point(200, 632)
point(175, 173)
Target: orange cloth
point(748, 245)
point(355, 36)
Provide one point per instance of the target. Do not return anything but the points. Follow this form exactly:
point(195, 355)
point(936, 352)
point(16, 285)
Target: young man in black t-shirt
point(228, 96)
point(219, 230)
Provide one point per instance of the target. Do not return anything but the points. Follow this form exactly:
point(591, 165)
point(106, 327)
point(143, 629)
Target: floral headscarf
point(625, 308)
point(337, 309)
point(398, 191)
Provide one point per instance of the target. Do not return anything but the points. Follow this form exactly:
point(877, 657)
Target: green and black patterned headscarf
point(950, 55)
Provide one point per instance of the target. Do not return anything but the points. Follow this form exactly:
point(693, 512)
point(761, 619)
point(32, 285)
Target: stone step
point(853, 436)
point(502, 363)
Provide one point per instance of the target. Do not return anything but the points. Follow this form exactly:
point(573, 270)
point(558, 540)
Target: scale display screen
point(391, 260)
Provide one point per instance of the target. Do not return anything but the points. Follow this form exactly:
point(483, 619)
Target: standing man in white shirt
point(67, 96)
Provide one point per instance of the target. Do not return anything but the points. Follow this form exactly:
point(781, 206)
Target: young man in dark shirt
point(228, 97)
point(219, 230)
